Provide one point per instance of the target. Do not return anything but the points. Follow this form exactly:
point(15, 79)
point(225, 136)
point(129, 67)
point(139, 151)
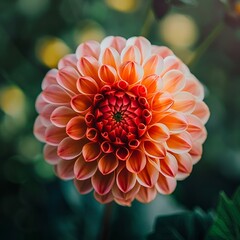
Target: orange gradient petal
point(108, 163)
point(91, 151)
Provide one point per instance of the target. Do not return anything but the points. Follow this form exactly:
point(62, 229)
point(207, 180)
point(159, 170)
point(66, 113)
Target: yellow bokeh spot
point(50, 50)
point(13, 101)
point(179, 31)
point(237, 8)
point(123, 5)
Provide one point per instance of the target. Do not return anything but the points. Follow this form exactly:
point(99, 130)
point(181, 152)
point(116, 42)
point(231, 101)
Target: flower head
point(123, 118)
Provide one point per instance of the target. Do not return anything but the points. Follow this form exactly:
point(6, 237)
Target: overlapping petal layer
point(123, 118)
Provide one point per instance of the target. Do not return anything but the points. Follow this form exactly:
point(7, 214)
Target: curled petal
point(194, 87)
point(184, 165)
point(50, 154)
point(68, 60)
point(102, 184)
point(84, 170)
point(169, 165)
point(91, 151)
point(83, 187)
point(46, 113)
point(155, 150)
point(201, 111)
point(103, 199)
point(39, 129)
point(131, 72)
point(165, 185)
point(158, 132)
point(107, 147)
point(180, 143)
point(56, 95)
point(69, 148)
point(122, 153)
point(153, 65)
point(64, 169)
point(136, 162)
point(107, 74)
point(89, 48)
point(54, 135)
point(61, 116)
point(184, 102)
point(125, 180)
point(133, 144)
point(146, 195)
point(81, 103)
point(131, 53)
point(67, 78)
point(173, 81)
point(108, 163)
point(148, 176)
point(161, 101)
point(117, 43)
point(50, 78)
point(196, 151)
point(92, 134)
point(176, 122)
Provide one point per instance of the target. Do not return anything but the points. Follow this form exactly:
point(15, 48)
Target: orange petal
point(161, 51)
point(173, 81)
point(108, 163)
point(152, 83)
point(50, 78)
point(165, 185)
point(54, 135)
point(102, 184)
point(131, 72)
point(84, 170)
point(56, 95)
point(146, 195)
point(130, 53)
point(153, 65)
point(184, 165)
point(196, 152)
point(81, 103)
point(155, 162)
point(161, 101)
point(64, 169)
point(176, 122)
point(68, 60)
point(67, 78)
point(87, 85)
point(148, 176)
point(83, 187)
point(155, 150)
point(194, 87)
point(91, 151)
point(180, 143)
point(158, 132)
point(46, 113)
point(136, 162)
point(122, 153)
point(40, 103)
point(89, 48)
point(69, 148)
point(50, 154)
point(170, 63)
point(107, 74)
point(103, 199)
point(201, 110)
point(115, 42)
point(184, 102)
point(169, 166)
point(125, 180)
point(110, 57)
point(61, 116)
point(39, 129)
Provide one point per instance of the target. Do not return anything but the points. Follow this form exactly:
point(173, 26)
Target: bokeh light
point(50, 50)
point(123, 5)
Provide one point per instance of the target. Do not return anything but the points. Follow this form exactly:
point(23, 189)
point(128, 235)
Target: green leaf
point(182, 226)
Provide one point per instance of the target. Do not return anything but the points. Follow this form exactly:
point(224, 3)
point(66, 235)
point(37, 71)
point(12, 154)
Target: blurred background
point(34, 35)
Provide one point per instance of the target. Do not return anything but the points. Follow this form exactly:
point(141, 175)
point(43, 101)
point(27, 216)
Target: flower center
point(117, 116)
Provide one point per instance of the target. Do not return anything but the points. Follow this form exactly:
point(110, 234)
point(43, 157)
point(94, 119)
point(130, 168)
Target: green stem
point(205, 44)
point(148, 21)
point(106, 222)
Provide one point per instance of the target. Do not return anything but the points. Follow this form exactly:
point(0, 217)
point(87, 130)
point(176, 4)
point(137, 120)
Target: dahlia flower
point(123, 118)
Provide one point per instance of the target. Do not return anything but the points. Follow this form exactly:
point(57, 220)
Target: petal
point(102, 184)
point(158, 132)
point(46, 113)
point(67, 78)
point(108, 163)
point(146, 195)
point(152, 83)
point(56, 95)
point(179, 143)
point(161, 101)
point(122, 153)
point(173, 81)
point(136, 162)
point(87, 85)
point(130, 53)
point(184, 102)
point(115, 42)
point(64, 169)
point(50, 78)
point(81, 103)
point(91, 151)
point(76, 128)
point(153, 65)
point(54, 135)
point(69, 148)
point(89, 48)
point(148, 176)
point(184, 165)
point(131, 72)
point(84, 186)
point(68, 60)
point(161, 51)
point(196, 152)
point(103, 199)
point(39, 129)
point(84, 170)
point(50, 154)
point(125, 180)
point(194, 87)
point(107, 74)
point(61, 116)
point(155, 150)
point(40, 103)
point(201, 110)
point(110, 57)
point(165, 185)
point(155, 162)
point(169, 166)
point(170, 63)
point(176, 122)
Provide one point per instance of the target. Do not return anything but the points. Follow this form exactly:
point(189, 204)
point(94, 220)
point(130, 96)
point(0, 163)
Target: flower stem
point(106, 222)
point(205, 44)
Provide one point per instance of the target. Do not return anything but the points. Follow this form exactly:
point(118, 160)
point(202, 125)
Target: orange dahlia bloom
point(123, 118)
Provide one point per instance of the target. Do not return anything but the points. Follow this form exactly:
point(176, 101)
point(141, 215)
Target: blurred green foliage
point(34, 204)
